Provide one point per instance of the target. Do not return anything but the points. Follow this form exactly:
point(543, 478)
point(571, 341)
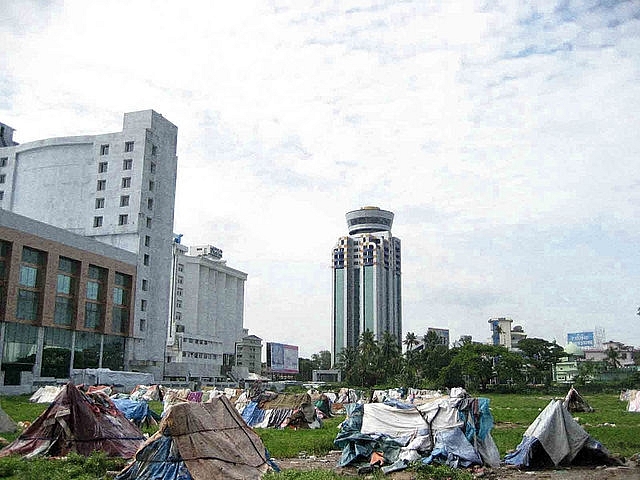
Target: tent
point(6, 423)
point(555, 438)
point(137, 411)
point(45, 394)
point(78, 422)
point(454, 431)
point(272, 410)
point(575, 403)
point(633, 399)
point(200, 441)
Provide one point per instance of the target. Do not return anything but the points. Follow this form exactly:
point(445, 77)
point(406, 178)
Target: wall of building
point(78, 183)
point(53, 347)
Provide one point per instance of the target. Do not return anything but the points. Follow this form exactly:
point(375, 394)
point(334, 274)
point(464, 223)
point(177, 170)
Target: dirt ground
point(629, 471)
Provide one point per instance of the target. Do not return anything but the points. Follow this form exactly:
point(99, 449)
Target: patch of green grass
point(74, 466)
point(305, 475)
point(288, 443)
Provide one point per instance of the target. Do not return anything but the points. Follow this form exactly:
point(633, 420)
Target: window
point(1, 194)
point(148, 222)
point(127, 163)
point(153, 167)
point(154, 150)
point(95, 297)
point(145, 259)
point(66, 291)
point(128, 146)
point(102, 167)
point(179, 292)
point(123, 219)
point(180, 280)
point(147, 241)
point(180, 267)
point(104, 149)
point(150, 203)
point(31, 277)
point(3, 177)
point(143, 305)
point(126, 182)
point(124, 200)
point(179, 328)
point(152, 185)
point(145, 285)
point(99, 203)
point(3, 161)
point(143, 324)
point(121, 296)
point(97, 222)
point(102, 184)
point(178, 303)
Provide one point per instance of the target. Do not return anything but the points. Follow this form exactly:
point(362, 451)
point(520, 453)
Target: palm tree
point(613, 358)
point(410, 340)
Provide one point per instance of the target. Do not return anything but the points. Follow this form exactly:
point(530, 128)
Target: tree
point(305, 368)
point(390, 356)
point(613, 358)
point(539, 357)
point(321, 360)
point(410, 340)
point(348, 362)
point(369, 357)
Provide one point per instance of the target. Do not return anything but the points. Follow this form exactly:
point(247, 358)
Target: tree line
point(429, 364)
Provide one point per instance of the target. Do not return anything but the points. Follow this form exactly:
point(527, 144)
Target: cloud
point(502, 135)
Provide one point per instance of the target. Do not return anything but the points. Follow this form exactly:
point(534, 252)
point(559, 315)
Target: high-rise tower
point(366, 280)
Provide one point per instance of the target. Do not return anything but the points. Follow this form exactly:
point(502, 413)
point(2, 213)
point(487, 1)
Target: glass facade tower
point(366, 280)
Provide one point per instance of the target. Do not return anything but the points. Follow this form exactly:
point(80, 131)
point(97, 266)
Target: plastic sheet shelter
point(81, 423)
point(200, 441)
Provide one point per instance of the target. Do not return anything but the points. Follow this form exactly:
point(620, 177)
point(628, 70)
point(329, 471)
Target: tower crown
point(368, 220)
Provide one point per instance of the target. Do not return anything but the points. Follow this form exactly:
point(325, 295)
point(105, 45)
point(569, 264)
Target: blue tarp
point(252, 414)
point(452, 448)
point(137, 411)
point(155, 461)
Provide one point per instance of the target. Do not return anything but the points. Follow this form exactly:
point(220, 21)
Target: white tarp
point(45, 394)
point(560, 435)
point(395, 422)
point(440, 414)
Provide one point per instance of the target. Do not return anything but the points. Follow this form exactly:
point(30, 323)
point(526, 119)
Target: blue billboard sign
point(581, 339)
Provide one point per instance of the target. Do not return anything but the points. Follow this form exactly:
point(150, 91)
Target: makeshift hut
point(7, 425)
point(575, 403)
point(147, 392)
point(79, 422)
point(633, 399)
point(555, 438)
point(200, 441)
point(452, 431)
point(45, 394)
point(272, 410)
point(136, 411)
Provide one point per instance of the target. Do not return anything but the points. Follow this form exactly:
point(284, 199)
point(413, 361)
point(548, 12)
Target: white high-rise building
point(366, 280)
point(118, 188)
point(206, 315)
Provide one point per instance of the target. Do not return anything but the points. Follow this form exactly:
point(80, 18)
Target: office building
point(65, 302)
point(504, 335)
point(366, 280)
point(116, 188)
point(206, 315)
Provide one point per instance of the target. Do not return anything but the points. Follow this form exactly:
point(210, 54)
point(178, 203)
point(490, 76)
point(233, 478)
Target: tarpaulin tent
point(6, 423)
point(555, 438)
point(78, 422)
point(45, 394)
point(271, 410)
point(633, 397)
point(200, 441)
point(137, 411)
point(575, 403)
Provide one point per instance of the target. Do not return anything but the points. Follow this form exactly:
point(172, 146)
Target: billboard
point(282, 358)
point(581, 339)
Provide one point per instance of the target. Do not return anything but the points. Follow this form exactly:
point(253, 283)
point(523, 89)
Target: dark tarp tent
point(555, 438)
point(200, 441)
point(575, 403)
point(81, 423)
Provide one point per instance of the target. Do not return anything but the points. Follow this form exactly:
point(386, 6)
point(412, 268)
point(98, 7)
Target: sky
point(503, 135)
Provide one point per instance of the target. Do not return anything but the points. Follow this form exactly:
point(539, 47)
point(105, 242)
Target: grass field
point(611, 424)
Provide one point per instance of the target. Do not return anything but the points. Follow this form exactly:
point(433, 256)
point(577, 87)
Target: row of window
point(31, 291)
point(127, 164)
point(128, 147)
point(209, 356)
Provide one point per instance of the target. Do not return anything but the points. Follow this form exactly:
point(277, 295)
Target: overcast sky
point(505, 137)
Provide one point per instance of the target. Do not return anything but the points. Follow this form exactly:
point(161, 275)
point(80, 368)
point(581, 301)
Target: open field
point(611, 424)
